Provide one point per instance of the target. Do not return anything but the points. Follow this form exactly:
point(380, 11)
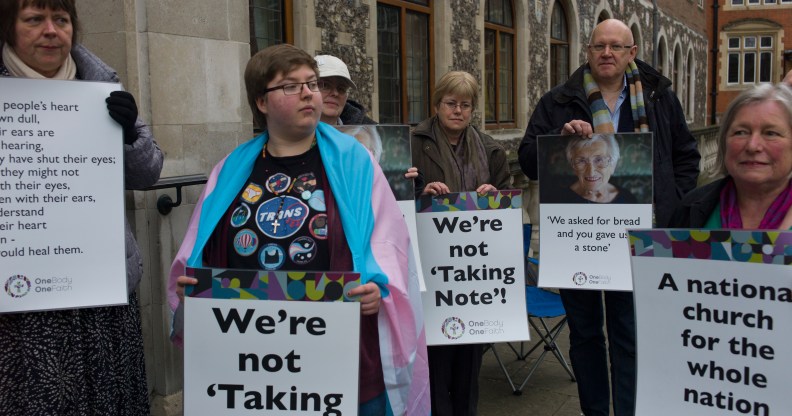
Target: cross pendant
point(275, 225)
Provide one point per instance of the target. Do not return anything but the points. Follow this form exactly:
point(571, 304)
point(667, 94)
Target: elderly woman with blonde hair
point(755, 155)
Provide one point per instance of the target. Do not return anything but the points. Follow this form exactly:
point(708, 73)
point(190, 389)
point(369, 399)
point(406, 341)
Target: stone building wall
point(466, 45)
point(343, 27)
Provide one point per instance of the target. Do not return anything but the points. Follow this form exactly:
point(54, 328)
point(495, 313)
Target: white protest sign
point(62, 199)
point(583, 243)
point(243, 357)
point(713, 312)
point(472, 258)
point(584, 246)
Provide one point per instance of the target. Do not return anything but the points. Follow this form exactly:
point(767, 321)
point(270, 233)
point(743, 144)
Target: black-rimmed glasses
point(295, 87)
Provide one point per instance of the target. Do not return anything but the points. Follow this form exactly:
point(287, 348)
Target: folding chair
point(543, 304)
point(540, 305)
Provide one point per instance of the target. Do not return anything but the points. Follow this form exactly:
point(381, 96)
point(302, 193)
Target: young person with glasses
point(614, 92)
point(304, 187)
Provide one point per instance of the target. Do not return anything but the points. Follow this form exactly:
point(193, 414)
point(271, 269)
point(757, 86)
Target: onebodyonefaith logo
point(579, 278)
point(453, 328)
point(17, 286)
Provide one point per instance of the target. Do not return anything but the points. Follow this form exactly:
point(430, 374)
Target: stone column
point(184, 62)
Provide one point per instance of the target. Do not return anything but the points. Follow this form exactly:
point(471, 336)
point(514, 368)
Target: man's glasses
point(452, 105)
point(614, 48)
point(327, 86)
point(295, 88)
point(599, 162)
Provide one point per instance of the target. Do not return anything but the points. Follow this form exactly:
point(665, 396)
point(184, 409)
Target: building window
point(559, 46)
point(499, 68)
point(676, 72)
point(403, 61)
point(270, 23)
point(749, 60)
point(661, 57)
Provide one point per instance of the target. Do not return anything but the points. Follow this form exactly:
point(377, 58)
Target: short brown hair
point(265, 65)
point(9, 11)
point(457, 83)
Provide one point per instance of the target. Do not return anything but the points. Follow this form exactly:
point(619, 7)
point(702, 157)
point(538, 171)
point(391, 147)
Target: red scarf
point(730, 210)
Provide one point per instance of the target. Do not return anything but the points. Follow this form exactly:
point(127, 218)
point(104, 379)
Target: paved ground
point(549, 392)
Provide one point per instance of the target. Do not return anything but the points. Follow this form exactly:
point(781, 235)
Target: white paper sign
point(61, 196)
point(590, 191)
point(248, 357)
point(712, 335)
point(474, 271)
point(584, 246)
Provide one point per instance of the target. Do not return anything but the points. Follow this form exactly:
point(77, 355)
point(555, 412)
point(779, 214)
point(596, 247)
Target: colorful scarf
point(730, 210)
point(600, 113)
point(469, 156)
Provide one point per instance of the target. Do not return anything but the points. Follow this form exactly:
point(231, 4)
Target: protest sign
point(390, 146)
point(472, 259)
point(590, 192)
point(713, 309)
point(278, 342)
point(61, 196)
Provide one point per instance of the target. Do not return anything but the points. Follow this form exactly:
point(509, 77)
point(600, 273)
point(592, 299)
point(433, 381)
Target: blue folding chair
point(540, 305)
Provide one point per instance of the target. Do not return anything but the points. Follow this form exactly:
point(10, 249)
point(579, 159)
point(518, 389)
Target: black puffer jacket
point(355, 113)
point(676, 157)
point(696, 207)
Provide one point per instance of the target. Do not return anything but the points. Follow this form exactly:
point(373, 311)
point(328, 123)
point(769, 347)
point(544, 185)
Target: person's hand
point(483, 189)
point(182, 281)
point(578, 127)
point(436, 188)
point(123, 109)
point(411, 173)
point(369, 298)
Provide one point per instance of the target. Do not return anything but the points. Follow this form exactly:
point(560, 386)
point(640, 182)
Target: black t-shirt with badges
point(279, 219)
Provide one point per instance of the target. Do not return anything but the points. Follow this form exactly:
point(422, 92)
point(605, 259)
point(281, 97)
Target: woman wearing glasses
point(335, 83)
point(593, 162)
point(454, 156)
point(302, 196)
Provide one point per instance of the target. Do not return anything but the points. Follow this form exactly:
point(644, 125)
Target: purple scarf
point(730, 210)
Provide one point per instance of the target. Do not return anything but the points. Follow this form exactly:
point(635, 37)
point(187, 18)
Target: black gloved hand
point(123, 109)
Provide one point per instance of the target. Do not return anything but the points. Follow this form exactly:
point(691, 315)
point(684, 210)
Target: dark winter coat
point(433, 168)
point(355, 113)
point(676, 157)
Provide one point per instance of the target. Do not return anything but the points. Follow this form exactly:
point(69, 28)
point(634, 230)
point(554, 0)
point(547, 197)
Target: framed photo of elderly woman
point(605, 169)
point(590, 191)
point(390, 146)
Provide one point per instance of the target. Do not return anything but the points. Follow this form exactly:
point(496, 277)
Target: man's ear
point(261, 103)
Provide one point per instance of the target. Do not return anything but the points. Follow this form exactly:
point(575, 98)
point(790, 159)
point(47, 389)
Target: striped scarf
point(602, 122)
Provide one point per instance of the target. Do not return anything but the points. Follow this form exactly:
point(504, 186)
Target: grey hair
point(374, 143)
point(578, 143)
point(780, 93)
